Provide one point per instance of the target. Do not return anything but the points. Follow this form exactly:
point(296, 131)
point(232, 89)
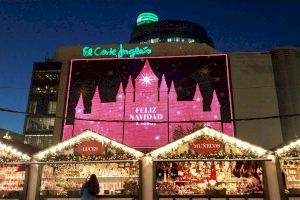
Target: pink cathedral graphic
point(145, 116)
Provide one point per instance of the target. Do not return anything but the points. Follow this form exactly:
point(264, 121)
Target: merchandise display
point(66, 166)
point(12, 170)
point(12, 179)
point(208, 163)
point(65, 180)
point(290, 167)
point(209, 178)
point(291, 176)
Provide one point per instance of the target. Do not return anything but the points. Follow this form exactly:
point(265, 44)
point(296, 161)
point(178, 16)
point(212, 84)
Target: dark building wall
point(286, 66)
point(254, 96)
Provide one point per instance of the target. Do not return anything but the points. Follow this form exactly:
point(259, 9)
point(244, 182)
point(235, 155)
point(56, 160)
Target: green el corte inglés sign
point(119, 52)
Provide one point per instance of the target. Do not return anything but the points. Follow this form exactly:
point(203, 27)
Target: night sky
point(30, 31)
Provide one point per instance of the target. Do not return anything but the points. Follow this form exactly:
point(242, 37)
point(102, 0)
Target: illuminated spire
point(215, 105)
point(163, 84)
point(80, 105)
point(163, 90)
point(129, 91)
point(120, 94)
point(146, 80)
point(95, 101)
point(197, 95)
point(172, 93)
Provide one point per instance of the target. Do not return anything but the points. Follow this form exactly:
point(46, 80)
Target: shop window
point(214, 178)
point(40, 124)
point(191, 40)
point(41, 141)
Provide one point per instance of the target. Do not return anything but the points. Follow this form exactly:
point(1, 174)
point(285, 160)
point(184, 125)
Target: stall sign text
point(90, 148)
point(207, 146)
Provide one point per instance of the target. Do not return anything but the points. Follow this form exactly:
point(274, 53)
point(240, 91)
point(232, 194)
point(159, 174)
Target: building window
point(40, 124)
point(41, 141)
point(191, 40)
point(52, 107)
point(154, 40)
point(32, 107)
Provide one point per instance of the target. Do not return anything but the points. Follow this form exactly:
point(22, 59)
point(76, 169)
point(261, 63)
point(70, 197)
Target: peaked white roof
point(290, 150)
point(211, 133)
point(85, 135)
point(13, 153)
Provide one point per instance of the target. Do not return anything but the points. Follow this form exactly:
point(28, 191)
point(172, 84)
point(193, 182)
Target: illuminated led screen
point(148, 102)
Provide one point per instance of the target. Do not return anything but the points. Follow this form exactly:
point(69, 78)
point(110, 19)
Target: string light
point(84, 136)
point(14, 154)
point(258, 151)
point(290, 150)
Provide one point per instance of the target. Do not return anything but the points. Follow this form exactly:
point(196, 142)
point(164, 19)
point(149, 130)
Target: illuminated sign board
point(147, 102)
point(89, 148)
point(207, 146)
point(119, 52)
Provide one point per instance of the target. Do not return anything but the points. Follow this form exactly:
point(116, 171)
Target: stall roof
point(16, 151)
point(86, 136)
point(289, 150)
point(242, 149)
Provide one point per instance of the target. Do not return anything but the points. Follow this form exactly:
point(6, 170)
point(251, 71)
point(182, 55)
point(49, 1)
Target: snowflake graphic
point(147, 79)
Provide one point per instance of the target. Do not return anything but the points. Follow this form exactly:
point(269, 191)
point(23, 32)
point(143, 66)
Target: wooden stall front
point(14, 170)
point(209, 165)
point(289, 159)
point(64, 167)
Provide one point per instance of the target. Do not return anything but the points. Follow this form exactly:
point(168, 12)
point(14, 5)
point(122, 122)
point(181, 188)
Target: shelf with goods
point(289, 159)
point(114, 179)
point(64, 168)
point(13, 169)
point(208, 163)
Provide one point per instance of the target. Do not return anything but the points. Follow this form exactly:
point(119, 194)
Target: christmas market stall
point(63, 168)
point(289, 159)
point(208, 164)
point(14, 157)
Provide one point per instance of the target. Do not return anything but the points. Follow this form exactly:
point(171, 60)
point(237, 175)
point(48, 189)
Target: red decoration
point(90, 148)
point(207, 146)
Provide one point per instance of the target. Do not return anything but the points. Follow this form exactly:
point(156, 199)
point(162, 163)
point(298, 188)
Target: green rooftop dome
point(146, 18)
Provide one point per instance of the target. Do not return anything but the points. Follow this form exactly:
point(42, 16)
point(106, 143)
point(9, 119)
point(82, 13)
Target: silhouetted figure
point(90, 188)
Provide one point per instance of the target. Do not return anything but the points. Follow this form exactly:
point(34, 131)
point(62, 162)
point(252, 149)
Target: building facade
point(263, 87)
point(42, 101)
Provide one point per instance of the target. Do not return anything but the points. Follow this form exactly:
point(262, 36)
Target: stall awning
point(88, 146)
point(207, 143)
point(13, 151)
point(291, 150)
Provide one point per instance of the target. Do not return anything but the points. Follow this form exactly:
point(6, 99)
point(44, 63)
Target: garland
point(292, 152)
point(111, 153)
point(231, 151)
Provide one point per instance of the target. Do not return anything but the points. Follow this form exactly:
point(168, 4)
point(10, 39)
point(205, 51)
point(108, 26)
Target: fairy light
point(86, 135)
point(288, 149)
point(13, 152)
point(210, 133)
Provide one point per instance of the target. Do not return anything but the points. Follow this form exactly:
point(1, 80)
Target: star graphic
point(146, 79)
point(204, 71)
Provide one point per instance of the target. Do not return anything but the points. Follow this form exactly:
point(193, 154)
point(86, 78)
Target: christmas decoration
point(10, 154)
point(65, 150)
point(290, 150)
point(233, 147)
